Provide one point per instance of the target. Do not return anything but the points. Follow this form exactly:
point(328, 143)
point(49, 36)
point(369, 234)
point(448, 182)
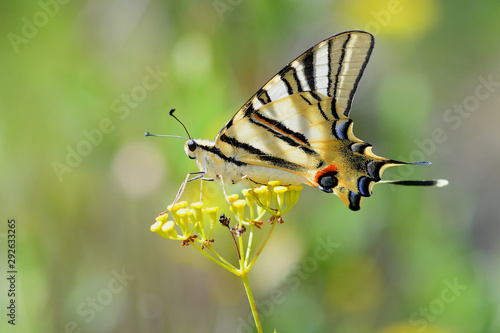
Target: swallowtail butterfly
point(296, 129)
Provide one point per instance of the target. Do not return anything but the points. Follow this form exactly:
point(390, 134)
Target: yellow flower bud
point(197, 210)
point(197, 217)
point(261, 189)
point(169, 229)
point(264, 195)
point(212, 215)
point(240, 203)
point(162, 218)
point(238, 208)
point(183, 221)
point(177, 206)
point(280, 189)
point(232, 198)
point(156, 226)
point(280, 194)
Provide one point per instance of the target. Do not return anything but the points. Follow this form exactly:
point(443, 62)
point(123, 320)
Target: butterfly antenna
point(166, 136)
point(180, 122)
point(172, 136)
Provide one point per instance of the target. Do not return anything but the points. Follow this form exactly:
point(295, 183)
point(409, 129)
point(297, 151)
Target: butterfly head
point(204, 152)
point(191, 147)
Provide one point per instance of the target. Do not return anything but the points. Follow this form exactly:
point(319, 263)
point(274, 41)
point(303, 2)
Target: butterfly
point(296, 129)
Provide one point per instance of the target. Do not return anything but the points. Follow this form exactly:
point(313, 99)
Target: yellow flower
point(232, 198)
point(177, 206)
point(280, 196)
point(263, 195)
point(238, 208)
point(212, 215)
point(197, 217)
point(169, 229)
point(165, 230)
point(182, 219)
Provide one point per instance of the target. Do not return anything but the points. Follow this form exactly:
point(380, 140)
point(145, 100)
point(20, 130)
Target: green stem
point(248, 290)
point(226, 265)
point(249, 245)
point(249, 266)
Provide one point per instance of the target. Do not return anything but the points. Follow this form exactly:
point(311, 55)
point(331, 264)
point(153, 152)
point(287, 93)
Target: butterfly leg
point(201, 186)
point(201, 190)
point(197, 175)
point(245, 177)
point(224, 188)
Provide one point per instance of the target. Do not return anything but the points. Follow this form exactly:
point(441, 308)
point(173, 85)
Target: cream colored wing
point(331, 68)
point(294, 135)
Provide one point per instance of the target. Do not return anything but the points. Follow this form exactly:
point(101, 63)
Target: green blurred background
point(76, 76)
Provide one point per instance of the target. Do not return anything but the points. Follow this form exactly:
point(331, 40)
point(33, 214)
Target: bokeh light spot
point(392, 17)
point(138, 168)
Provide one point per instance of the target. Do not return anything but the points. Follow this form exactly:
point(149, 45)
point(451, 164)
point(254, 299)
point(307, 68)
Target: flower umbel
point(194, 226)
point(199, 221)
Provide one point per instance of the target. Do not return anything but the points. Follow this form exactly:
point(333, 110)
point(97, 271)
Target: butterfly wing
point(295, 135)
point(331, 68)
point(296, 128)
point(297, 107)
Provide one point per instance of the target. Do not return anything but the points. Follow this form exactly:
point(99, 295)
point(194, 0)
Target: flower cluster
point(190, 222)
point(195, 224)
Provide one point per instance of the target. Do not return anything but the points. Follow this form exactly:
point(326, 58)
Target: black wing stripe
point(263, 96)
point(216, 151)
point(320, 108)
point(276, 161)
point(238, 144)
point(319, 99)
point(278, 128)
point(339, 70)
point(287, 139)
point(281, 163)
point(297, 81)
point(249, 109)
point(315, 96)
point(305, 99)
point(358, 78)
point(329, 52)
point(283, 73)
point(309, 70)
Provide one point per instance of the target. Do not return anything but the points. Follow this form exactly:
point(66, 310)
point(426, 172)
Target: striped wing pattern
point(290, 123)
point(331, 68)
point(294, 134)
point(296, 128)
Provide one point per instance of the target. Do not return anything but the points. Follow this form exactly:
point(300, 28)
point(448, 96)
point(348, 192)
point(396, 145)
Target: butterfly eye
point(192, 145)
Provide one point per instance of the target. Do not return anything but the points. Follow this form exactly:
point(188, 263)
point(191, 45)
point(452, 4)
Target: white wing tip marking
point(441, 182)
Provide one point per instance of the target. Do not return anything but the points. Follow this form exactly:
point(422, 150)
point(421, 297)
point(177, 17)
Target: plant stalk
point(248, 290)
